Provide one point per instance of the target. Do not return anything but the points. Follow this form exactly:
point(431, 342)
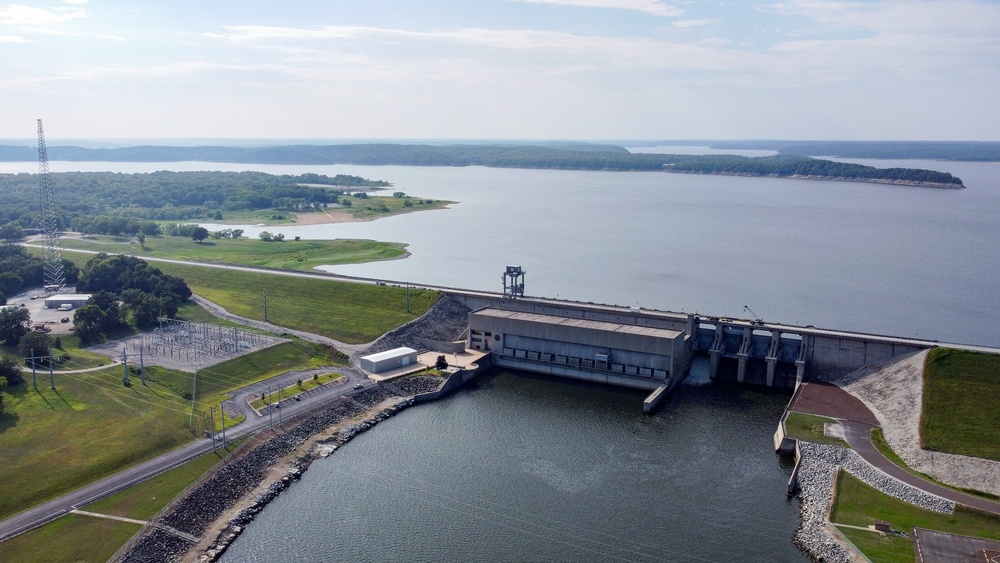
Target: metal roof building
point(389, 360)
point(610, 352)
point(73, 299)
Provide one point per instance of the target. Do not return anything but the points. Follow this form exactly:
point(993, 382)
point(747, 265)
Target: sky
point(501, 69)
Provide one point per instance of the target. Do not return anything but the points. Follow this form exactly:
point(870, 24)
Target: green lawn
point(809, 427)
point(289, 254)
point(70, 538)
point(145, 499)
point(52, 442)
point(858, 504)
point(349, 312)
point(961, 390)
point(86, 538)
point(882, 549)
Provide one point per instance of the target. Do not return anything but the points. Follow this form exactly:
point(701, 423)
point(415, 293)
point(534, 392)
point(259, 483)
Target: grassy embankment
point(87, 538)
point(953, 420)
point(809, 427)
point(288, 254)
point(348, 312)
point(860, 505)
point(957, 416)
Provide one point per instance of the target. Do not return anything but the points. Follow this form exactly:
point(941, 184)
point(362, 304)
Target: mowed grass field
point(348, 312)
point(87, 538)
point(961, 394)
point(857, 504)
point(53, 441)
point(288, 254)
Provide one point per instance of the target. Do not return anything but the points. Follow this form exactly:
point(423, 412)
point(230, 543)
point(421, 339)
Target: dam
point(649, 349)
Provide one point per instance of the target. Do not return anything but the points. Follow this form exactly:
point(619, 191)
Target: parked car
point(359, 386)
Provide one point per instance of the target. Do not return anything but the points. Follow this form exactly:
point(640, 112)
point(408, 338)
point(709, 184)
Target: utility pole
point(278, 405)
point(34, 380)
point(211, 415)
point(142, 366)
point(194, 391)
point(407, 297)
point(223, 412)
point(125, 380)
point(270, 409)
point(265, 304)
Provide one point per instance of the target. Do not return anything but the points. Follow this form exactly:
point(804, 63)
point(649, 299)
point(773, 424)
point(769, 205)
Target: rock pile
point(446, 321)
point(418, 385)
point(817, 468)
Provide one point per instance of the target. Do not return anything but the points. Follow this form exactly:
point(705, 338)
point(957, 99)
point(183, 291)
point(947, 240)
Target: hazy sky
point(501, 69)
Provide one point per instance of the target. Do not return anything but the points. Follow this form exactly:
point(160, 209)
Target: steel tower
point(55, 279)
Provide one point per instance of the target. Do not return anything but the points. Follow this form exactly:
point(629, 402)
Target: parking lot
point(34, 301)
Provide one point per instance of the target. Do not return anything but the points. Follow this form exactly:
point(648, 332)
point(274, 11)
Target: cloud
point(13, 39)
point(693, 23)
point(654, 7)
point(28, 16)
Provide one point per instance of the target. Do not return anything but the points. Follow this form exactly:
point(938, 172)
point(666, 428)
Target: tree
point(141, 237)
point(87, 323)
point(3, 387)
point(199, 234)
point(441, 363)
point(34, 344)
point(15, 322)
point(10, 369)
point(11, 231)
point(399, 194)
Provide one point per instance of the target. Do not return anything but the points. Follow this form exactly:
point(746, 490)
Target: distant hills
point(561, 156)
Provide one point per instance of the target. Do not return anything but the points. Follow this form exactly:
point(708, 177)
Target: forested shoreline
point(115, 203)
point(570, 157)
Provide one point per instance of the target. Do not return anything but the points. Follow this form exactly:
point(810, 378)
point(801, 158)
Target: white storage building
point(389, 360)
point(74, 300)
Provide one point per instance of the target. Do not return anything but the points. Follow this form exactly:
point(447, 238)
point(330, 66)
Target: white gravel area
point(894, 393)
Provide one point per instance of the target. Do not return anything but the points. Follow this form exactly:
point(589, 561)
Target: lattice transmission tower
point(55, 279)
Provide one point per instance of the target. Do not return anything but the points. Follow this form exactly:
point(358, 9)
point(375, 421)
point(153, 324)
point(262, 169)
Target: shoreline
point(910, 183)
point(215, 510)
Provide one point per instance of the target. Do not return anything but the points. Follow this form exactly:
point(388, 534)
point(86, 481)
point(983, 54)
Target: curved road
point(858, 435)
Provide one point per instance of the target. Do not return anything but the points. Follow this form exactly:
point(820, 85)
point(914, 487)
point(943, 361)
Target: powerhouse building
point(608, 352)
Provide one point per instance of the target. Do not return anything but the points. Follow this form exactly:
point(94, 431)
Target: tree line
point(117, 204)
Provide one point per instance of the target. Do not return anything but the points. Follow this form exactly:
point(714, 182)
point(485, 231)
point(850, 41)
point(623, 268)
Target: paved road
point(55, 508)
point(858, 435)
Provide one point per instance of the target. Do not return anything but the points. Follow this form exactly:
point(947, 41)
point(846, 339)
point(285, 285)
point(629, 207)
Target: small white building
point(74, 300)
point(389, 360)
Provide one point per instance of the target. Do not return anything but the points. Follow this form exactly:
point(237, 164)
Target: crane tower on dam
point(55, 279)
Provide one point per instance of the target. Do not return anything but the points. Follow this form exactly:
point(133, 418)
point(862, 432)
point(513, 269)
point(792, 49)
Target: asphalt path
point(858, 435)
point(313, 399)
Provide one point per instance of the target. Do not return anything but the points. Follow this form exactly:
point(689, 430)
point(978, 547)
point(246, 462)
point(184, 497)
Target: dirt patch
point(324, 218)
point(824, 399)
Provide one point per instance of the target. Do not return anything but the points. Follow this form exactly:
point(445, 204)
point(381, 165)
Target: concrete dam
point(653, 350)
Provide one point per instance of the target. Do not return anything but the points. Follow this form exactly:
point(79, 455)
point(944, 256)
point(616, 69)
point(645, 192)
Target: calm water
point(886, 259)
point(526, 469)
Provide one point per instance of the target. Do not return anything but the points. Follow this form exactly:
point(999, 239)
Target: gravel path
point(894, 392)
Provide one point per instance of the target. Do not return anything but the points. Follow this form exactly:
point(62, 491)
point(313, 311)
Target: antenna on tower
point(55, 279)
